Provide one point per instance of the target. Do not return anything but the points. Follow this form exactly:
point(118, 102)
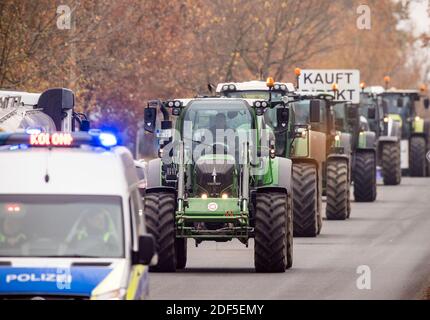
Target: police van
point(71, 223)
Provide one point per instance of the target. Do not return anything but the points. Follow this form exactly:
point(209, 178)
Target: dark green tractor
point(230, 187)
point(400, 111)
point(363, 149)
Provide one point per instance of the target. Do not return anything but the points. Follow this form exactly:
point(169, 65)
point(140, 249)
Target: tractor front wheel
point(417, 157)
point(391, 167)
point(271, 232)
point(337, 189)
point(181, 252)
point(160, 222)
point(365, 176)
point(305, 199)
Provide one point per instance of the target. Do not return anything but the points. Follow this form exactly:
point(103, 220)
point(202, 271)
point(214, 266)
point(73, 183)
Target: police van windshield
point(255, 94)
point(61, 226)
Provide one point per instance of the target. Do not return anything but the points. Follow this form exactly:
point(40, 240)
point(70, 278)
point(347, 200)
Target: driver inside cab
point(11, 234)
point(94, 230)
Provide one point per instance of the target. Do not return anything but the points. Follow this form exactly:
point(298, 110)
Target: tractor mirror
point(352, 112)
point(426, 103)
point(150, 117)
point(283, 116)
point(371, 113)
point(339, 123)
point(314, 112)
point(400, 102)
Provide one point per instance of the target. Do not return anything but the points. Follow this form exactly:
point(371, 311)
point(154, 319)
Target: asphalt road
point(390, 236)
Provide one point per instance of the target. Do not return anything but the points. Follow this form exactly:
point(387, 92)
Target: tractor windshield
point(255, 94)
point(301, 114)
point(397, 103)
point(340, 116)
point(219, 115)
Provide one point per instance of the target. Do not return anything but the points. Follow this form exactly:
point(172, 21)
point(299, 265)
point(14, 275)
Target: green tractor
point(233, 187)
point(387, 133)
point(399, 107)
point(300, 142)
point(363, 148)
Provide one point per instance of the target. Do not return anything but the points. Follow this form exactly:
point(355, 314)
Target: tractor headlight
point(224, 196)
point(417, 118)
point(386, 119)
point(118, 294)
point(204, 196)
point(337, 137)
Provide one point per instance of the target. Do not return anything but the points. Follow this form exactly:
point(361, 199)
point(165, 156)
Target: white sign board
point(348, 82)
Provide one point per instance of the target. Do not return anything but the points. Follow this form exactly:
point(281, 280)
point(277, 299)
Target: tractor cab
point(399, 105)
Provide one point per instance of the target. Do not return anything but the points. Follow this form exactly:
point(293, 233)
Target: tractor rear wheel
point(391, 167)
point(305, 200)
point(271, 240)
point(365, 176)
point(417, 157)
point(289, 233)
point(337, 187)
point(160, 222)
point(181, 252)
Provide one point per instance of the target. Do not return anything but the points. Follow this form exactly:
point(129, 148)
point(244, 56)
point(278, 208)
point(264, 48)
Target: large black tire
point(390, 160)
point(305, 200)
point(337, 187)
point(181, 252)
point(417, 157)
point(290, 233)
point(160, 222)
point(365, 176)
point(271, 240)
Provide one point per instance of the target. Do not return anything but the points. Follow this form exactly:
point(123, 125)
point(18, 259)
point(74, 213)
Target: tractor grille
point(214, 177)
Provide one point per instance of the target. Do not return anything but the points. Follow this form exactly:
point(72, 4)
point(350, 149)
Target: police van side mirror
point(150, 117)
point(371, 113)
point(85, 125)
point(146, 250)
point(314, 112)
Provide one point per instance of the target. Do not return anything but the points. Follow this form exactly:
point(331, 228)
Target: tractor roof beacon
point(206, 189)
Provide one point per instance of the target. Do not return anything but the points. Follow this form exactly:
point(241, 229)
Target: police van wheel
point(365, 177)
point(391, 167)
point(181, 252)
point(160, 222)
point(417, 157)
point(337, 190)
point(271, 232)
